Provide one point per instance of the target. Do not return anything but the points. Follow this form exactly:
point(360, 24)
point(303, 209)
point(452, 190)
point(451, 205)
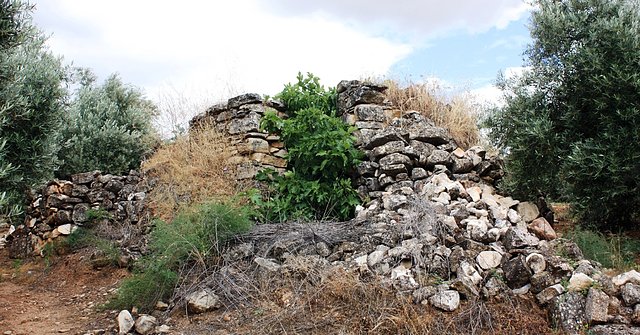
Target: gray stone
point(377, 256)
point(386, 149)
point(380, 138)
point(447, 300)
point(258, 145)
point(369, 113)
point(536, 262)
point(438, 157)
point(84, 178)
point(79, 215)
point(394, 201)
point(567, 312)
point(596, 306)
point(422, 294)
point(249, 123)
point(419, 173)
point(125, 322)
point(431, 135)
point(369, 125)
point(614, 330)
point(395, 158)
point(267, 264)
point(477, 229)
point(632, 276)
point(542, 280)
point(528, 211)
point(516, 272)
point(392, 170)
point(367, 169)
point(244, 99)
point(202, 301)
point(517, 239)
point(630, 294)
point(145, 324)
point(549, 293)
point(462, 165)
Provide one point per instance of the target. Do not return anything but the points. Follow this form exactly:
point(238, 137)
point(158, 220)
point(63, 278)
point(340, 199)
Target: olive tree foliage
point(32, 95)
point(571, 122)
point(109, 127)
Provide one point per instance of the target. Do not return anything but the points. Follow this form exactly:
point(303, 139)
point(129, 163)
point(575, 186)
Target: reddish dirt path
point(58, 298)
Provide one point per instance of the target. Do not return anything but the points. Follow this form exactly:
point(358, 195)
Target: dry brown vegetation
point(337, 301)
point(458, 116)
point(193, 168)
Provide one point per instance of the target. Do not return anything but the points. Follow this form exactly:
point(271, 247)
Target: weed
point(194, 237)
point(97, 214)
point(612, 251)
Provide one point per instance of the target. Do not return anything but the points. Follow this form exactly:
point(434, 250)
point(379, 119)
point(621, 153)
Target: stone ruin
point(433, 227)
point(433, 212)
point(61, 206)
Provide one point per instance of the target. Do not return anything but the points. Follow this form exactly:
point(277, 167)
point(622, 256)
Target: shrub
point(194, 237)
point(459, 116)
point(32, 92)
point(193, 168)
point(321, 156)
point(576, 111)
point(109, 128)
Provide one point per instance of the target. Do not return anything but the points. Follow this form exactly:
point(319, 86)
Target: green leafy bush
point(321, 157)
point(194, 237)
point(32, 92)
point(570, 123)
point(109, 128)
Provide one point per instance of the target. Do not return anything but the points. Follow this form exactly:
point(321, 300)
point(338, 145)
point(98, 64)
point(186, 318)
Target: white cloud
point(208, 47)
point(492, 95)
point(425, 18)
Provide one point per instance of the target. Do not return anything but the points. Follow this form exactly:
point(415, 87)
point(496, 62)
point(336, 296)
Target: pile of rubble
point(436, 229)
point(62, 206)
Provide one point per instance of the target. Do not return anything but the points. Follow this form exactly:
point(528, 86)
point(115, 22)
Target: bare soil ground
point(55, 296)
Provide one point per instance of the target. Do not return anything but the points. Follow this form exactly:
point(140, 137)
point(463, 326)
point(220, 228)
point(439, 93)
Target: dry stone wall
point(61, 206)
point(239, 120)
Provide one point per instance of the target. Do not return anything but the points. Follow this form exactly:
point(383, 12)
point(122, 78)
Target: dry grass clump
point(458, 116)
point(338, 301)
point(193, 168)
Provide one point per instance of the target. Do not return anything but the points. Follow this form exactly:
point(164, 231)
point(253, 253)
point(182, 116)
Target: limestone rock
point(369, 113)
point(438, 157)
point(632, 276)
point(447, 300)
point(542, 229)
point(596, 306)
point(536, 262)
point(549, 293)
point(489, 259)
point(567, 312)
point(244, 99)
point(202, 301)
point(267, 264)
point(528, 211)
point(145, 324)
point(614, 329)
point(631, 294)
point(579, 281)
point(125, 322)
point(516, 239)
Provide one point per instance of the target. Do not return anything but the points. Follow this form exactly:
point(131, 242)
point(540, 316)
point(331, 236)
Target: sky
point(213, 50)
